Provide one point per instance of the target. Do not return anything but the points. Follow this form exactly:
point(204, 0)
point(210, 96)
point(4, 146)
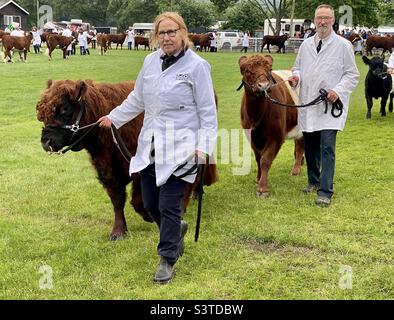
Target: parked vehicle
point(227, 40)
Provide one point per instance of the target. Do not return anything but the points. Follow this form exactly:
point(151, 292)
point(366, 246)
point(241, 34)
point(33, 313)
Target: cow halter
point(337, 106)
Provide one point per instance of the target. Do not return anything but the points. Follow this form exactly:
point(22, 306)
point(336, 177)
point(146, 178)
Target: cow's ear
point(81, 89)
point(242, 60)
point(49, 83)
point(270, 60)
point(366, 60)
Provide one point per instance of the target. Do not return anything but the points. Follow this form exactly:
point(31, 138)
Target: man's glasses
point(170, 33)
point(318, 18)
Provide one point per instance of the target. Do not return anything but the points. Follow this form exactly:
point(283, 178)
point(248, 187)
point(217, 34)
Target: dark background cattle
point(141, 41)
point(201, 41)
point(378, 84)
point(270, 124)
point(278, 41)
point(118, 39)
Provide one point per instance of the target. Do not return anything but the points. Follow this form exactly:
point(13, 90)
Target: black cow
point(378, 84)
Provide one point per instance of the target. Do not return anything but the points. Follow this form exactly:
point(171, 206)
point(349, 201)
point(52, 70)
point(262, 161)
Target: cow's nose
point(263, 86)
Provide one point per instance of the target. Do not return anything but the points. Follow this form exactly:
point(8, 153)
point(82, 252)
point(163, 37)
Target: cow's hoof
point(118, 236)
point(263, 195)
point(369, 116)
point(383, 114)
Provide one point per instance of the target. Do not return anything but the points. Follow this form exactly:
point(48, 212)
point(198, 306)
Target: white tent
point(386, 29)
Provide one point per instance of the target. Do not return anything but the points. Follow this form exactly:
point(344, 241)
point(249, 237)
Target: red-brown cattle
point(102, 41)
point(21, 44)
point(60, 105)
point(60, 42)
point(270, 124)
point(119, 39)
point(378, 42)
point(141, 41)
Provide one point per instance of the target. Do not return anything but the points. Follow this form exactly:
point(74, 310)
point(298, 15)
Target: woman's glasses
point(170, 33)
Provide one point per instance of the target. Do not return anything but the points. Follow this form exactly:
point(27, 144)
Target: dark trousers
point(130, 45)
point(36, 48)
point(320, 160)
point(164, 204)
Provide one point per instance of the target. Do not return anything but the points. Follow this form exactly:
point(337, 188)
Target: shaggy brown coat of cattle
point(278, 41)
point(61, 103)
point(22, 44)
point(385, 43)
point(61, 42)
point(119, 39)
point(102, 41)
point(141, 41)
point(270, 124)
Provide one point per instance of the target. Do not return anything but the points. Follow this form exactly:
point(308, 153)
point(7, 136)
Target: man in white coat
point(67, 33)
point(174, 89)
point(325, 61)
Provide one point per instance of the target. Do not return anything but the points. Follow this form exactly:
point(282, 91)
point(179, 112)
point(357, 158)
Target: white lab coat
point(67, 33)
point(391, 60)
point(245, 41)
point(180, 113)
point(36, 38)
point(130, 36)
point(17, 33)
point(334, 68)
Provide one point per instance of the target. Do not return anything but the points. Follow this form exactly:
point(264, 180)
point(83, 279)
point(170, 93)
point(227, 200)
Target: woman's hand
point(105, 122)
point(201, 157)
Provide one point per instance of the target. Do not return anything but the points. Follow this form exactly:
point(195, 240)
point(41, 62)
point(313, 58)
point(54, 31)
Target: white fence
point(291, 45)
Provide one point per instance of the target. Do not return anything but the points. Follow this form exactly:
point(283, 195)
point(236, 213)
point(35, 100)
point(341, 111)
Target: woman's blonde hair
point(176, 17)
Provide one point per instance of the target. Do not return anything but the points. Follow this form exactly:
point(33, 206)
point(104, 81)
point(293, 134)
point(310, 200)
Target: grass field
point(53, 211)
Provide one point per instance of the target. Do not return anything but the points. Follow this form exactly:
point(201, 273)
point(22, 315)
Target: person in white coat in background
point(245, 42)
point(175, 90)
point(68, 33)
point(130, 38)
point(36, 40)
point(324, 61)
point(390, 69)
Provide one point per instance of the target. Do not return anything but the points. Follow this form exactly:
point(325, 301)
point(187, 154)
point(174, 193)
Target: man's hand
point(332, 96)
point(201, 157)
point(390, 70)
point(294, 80)
point(105, 122)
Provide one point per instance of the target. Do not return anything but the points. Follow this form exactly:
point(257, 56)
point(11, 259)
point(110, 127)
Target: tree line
point(201, 14)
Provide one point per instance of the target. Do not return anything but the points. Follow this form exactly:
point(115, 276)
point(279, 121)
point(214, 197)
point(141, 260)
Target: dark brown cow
point(61, 42)
point(44, 36)
point(270, 124)
point(102, 41)
point(141, 41)
point(378, 42)
point(60, 105)
point(200, 41)
point(116, 38)
point(278, 41)
point(21, 44)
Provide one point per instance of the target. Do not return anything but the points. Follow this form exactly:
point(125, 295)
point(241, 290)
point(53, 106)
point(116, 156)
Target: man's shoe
point(323, 201)
point(310, 188)
point(184, 228)
point(165, 272)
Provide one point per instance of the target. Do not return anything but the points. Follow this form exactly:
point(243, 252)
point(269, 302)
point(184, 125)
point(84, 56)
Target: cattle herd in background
point(377, 85)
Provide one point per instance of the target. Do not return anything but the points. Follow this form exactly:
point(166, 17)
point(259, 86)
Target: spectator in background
point(18, 32)
point(93, 32)
point(67, 33)
point(36, 40)
point(245, 42)
point(214, 41)
point(130, 38)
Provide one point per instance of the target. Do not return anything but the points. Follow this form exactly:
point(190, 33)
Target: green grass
point(54, 212)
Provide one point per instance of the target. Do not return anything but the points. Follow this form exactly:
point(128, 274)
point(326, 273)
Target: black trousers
point(320, 160)
point(164, 204)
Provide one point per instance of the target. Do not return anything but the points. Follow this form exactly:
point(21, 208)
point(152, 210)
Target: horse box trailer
point(285, 26)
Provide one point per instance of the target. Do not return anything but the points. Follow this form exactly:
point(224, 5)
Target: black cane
point(201, 170)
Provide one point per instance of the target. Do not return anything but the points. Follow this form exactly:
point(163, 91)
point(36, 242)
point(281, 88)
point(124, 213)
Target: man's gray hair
point(326, 6)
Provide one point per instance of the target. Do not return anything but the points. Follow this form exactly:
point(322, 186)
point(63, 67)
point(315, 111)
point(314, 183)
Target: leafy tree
point(243, 16)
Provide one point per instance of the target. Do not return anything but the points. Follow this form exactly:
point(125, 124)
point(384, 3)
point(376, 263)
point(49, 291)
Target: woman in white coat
point(174, 89)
